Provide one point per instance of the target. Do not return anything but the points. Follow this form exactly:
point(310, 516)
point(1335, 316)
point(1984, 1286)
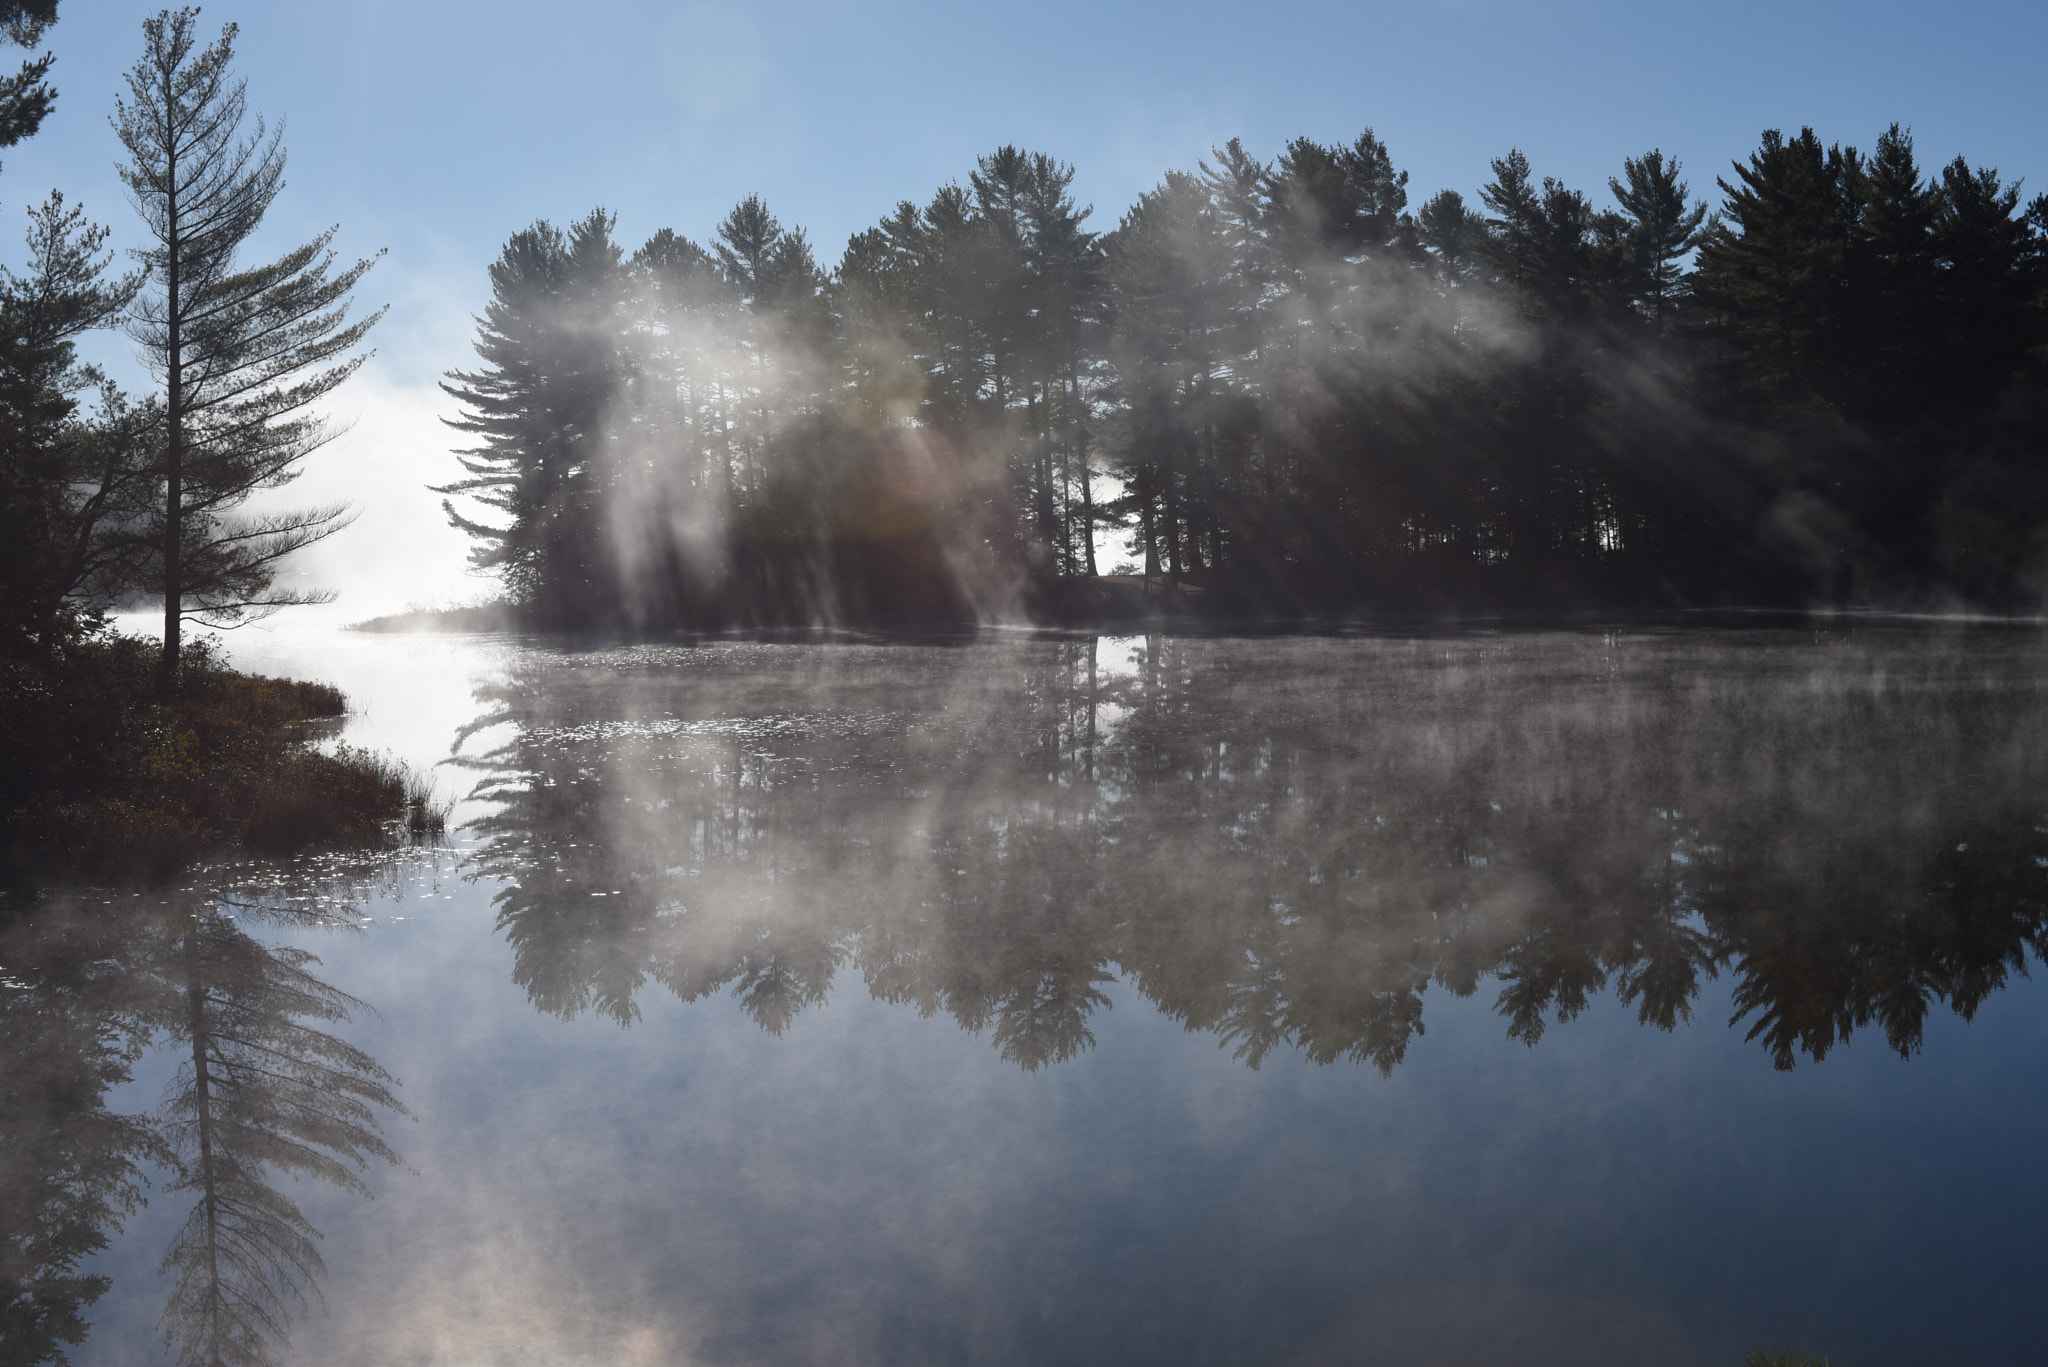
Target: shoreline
point(504, 619)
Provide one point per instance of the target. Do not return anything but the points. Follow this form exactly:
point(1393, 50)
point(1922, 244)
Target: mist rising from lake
point(1575, 996)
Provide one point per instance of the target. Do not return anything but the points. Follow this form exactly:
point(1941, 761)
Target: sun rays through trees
point(1279, 385)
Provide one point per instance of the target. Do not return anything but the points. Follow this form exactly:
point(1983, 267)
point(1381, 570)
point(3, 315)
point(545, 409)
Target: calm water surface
point(1538, 998)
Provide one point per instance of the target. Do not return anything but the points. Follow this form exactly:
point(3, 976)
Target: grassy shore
point(105, 780)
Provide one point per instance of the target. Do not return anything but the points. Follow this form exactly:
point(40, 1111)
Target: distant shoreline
point(485, 617)
point(1120, 603)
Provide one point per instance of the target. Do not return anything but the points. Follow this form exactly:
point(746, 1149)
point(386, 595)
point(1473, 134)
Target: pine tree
point(1164, 269)
point(73, 487)
point(242, 354)
point(1987, 358)
point(25, 97)
point(1894, 280)
point(1773, 272)
point(549, 340)
point(777, 326)
point(672, 456)
point(1662, 229)
point(1546, 244)
point(1990, 319)
point(70, 483)
point(1562, 266)
point(1452, 234)
point(1066, 265)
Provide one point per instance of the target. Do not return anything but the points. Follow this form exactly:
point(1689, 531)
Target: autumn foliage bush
point(105, 779)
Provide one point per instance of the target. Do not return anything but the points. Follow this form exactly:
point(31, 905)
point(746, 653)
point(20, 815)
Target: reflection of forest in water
point(1288, 842)
point(262, 1094)
point(1283, 843)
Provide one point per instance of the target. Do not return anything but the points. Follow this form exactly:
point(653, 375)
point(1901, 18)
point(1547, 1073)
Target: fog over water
point(1606, 996)
point(1119, 688)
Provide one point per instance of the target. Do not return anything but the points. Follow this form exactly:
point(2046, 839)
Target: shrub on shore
point(103, 777)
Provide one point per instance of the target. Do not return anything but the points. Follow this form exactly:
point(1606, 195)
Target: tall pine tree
point(242, 353)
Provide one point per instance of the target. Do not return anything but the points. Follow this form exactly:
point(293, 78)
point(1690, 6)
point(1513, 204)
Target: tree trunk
point(1080, 454)
point(1151, 537)
point(1087, 515)
point(1172, 529)
point(174, 455)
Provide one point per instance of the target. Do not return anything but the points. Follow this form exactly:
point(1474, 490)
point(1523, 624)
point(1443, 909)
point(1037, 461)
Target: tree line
point(1281, 388)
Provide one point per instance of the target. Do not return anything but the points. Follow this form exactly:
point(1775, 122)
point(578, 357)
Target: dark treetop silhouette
point(1288, 390)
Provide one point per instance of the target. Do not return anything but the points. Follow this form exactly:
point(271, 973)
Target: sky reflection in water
point(969, 987)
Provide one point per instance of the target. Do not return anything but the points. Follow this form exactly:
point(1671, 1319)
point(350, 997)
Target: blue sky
point(435, 128)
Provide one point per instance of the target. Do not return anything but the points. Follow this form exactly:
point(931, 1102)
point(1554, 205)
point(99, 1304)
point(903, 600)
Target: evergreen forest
point(1280, 388)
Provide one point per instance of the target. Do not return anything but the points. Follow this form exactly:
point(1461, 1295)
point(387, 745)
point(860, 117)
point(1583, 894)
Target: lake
point(1576, 996)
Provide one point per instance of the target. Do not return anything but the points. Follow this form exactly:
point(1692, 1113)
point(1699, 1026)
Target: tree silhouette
point(242, 353)
point(1294, 394)
point(73, 486)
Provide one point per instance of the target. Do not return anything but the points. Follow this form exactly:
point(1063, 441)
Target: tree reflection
point(1286, 845)
point(69, 1167)
point(262, 1092)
